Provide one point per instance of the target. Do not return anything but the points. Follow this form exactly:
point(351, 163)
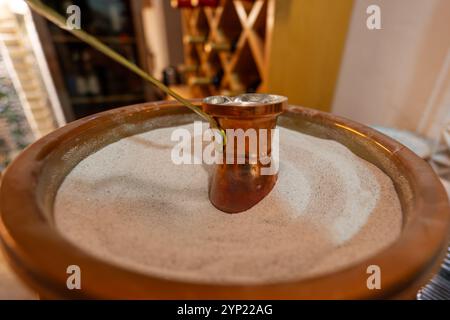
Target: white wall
point(153, 20)
point(399, 75)
point(162, 26)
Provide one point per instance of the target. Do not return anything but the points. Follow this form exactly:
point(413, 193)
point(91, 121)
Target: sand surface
point(130, 205)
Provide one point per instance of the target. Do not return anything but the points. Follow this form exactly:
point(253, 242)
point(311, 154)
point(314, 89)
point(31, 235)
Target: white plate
point(417, 144)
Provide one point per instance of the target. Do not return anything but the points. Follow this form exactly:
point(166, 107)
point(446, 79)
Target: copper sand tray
point(39, 254)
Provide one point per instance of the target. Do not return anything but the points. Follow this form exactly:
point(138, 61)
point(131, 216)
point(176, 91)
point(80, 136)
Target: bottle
point(254, 85)
point(217, 78)
point(80, 83)
point(223, 46)
point(93, 85)
point(115, 16)
point(205, 3)
point(205, 81)
point(200, 81)
point(190, 39)
point(171, 76)
point(187, 68)
point(90, 77)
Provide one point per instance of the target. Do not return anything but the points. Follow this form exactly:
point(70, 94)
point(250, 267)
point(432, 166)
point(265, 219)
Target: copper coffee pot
point(247, 174)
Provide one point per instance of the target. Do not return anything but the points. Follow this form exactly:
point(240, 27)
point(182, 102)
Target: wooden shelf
point(245, 25)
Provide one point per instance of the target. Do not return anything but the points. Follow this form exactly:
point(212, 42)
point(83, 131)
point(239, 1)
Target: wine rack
point(226, 44)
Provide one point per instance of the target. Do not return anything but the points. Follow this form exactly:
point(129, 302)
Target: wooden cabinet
point(308, 40)
point(87, 81)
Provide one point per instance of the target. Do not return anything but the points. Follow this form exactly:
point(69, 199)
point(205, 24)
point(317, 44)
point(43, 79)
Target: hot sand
point(130, 205)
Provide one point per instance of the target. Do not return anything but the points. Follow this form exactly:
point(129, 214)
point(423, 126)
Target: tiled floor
point(439, 287)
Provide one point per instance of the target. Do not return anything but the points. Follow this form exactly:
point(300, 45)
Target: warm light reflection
point(362, 135)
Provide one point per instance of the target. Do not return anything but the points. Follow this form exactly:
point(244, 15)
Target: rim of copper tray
point(275, 105)
point(39, 254)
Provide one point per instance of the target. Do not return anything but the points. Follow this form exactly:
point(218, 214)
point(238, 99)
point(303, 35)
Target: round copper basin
point(40, 254)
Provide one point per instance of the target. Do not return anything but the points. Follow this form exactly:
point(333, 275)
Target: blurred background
point(321, 54)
